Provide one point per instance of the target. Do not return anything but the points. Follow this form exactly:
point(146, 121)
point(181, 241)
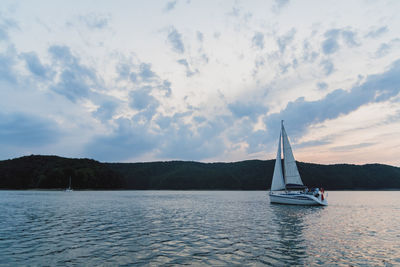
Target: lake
point(109, 228)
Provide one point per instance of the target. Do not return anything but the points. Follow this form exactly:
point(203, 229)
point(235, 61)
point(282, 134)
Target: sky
point(138, 81)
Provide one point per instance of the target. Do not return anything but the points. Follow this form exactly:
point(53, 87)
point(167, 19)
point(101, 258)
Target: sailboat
point(287, 186)
point(69, 189)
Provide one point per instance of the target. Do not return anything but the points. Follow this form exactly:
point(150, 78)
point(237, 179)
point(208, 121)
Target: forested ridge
point(53, 172)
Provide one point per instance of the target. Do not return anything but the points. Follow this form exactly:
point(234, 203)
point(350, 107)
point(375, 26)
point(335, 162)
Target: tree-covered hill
point(53, 172)
point(50, 172)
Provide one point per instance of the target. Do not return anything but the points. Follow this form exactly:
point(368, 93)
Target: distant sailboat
point(69, 189)
point(287, 186)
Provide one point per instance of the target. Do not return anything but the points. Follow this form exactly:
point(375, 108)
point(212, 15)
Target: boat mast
point(283, 149)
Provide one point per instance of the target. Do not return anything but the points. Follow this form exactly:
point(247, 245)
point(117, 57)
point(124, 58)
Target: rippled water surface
point(111, 228)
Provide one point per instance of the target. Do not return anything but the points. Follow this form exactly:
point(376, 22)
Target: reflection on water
point(196, 228)
point(288, 220)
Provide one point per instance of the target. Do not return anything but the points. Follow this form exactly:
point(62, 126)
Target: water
point(48, 228)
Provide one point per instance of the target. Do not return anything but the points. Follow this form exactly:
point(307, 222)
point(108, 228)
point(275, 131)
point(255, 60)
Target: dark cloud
point(349, 37)
point(62, 53)
point(145, 72)
point(175, 40)
point(334, 37)
point(75, 79)
point(258, 40)
point(313, 143)
point(247, 109)
point(142, 99)
point(19, 129)
point(129, 139)
point(163, 122)
point(106, 109)
point(34, 65)
point(181, 141)
point(301, 113)
point(330, 45)
point(351, 147)
point(375, 33)
point(174, 139)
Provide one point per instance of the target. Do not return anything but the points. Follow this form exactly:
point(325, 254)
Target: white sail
point(292, 175)
point(277, 179)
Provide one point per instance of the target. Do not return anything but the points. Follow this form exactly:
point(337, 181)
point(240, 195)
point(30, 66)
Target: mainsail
point(277, 179)
point(292, 175)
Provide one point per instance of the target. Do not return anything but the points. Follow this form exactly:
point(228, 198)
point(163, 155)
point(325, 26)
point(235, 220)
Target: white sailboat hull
point(297, 199)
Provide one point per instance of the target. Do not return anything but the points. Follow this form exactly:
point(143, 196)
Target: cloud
point(106, 109)
point(279, 5)
point(313, 143)
point(331, 45)
point(308, 54)
point(145, 72)
point(95, 21)
point(349, 37)
point(322, 85)
point(5, 26)
point(300, 114)
point(7, 62)
point(74, 80)
point(200, 36)
point(183, 141)
point(141, 99)
point(136, 73)
point(175, 40)
point(375, 33)
point(258, 40)
point(20, 129)
point(189, 71)
point(334, 37)
point(247, 109)
point(174, 139)
point(285, 40)
point(170, 5)
point(327, 66)
point(166, 87)
point(385, 48)
point(128, 140)
point(351, 147)
point(35, 66)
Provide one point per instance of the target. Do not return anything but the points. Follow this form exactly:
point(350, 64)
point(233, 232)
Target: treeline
point(52, 172)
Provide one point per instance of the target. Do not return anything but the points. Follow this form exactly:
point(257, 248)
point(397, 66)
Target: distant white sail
point(292, 175)
point(277, 179)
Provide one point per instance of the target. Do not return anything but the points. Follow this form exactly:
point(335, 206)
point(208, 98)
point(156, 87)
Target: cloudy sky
point(200, 80)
